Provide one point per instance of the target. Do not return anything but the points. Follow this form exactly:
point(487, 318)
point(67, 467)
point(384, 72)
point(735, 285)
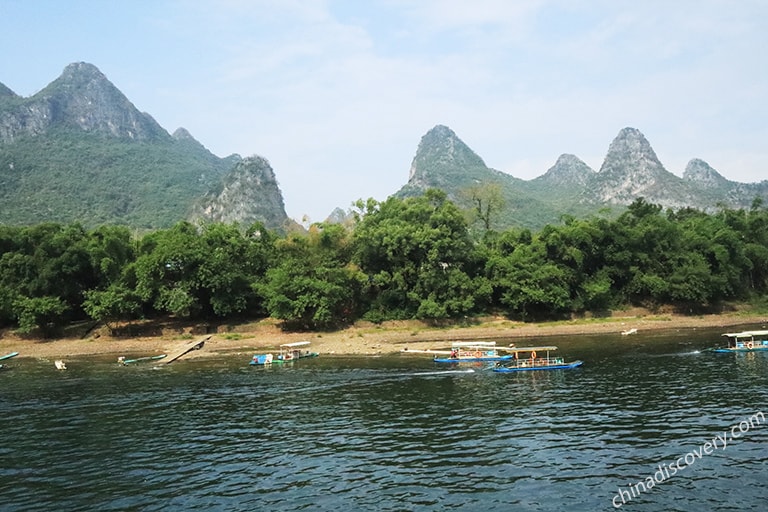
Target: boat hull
point(263, 359)
point(8, 356)
point(564, 366)
point(143, 359)
point(480, 359)
point(761, 348)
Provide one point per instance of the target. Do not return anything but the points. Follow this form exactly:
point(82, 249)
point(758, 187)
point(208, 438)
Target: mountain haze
point(80, 151)
point(247, 194)
point(445, 162)
point(630, 170)
point(81, 99)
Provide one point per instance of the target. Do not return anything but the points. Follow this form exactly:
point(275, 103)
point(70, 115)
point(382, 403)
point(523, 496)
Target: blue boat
point(745, 341)
point(525, 359)
point(473, 352)
point(8, 356)
point(288, 352)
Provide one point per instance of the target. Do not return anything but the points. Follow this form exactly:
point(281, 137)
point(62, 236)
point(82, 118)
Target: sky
point(337, 94)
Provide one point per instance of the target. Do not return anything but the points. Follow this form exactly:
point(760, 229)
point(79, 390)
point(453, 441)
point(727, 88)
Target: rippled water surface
point(390, 433)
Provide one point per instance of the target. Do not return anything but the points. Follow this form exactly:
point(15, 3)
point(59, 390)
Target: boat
point(527, 359)
point(8, 356)
point(122, 360)
point(59, 364)
point(628, 332)
point(288, 352)
point(745, 341)
point(473, 352)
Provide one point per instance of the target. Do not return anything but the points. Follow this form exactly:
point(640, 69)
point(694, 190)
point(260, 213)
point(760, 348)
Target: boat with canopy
point(745, 341)
point(473, 352)
point(535, 358)
point(288, 352)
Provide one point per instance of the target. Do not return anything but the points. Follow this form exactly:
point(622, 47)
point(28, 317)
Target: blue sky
point(337, 94)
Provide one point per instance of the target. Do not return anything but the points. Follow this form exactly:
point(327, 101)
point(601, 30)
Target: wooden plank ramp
point(184, 349)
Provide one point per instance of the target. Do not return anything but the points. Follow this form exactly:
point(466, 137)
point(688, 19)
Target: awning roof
point(296, 344)
point(746, 334)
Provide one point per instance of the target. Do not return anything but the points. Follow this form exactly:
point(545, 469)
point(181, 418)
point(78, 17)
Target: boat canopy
point(296, 344)
point(530, 349)
point(746, 334)
point(474, 344)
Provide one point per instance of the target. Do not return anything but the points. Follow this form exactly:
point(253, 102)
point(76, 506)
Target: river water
point(392, 433)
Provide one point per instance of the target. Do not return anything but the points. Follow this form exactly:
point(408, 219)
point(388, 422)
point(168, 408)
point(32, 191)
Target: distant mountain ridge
point(629, 171)
point(247, 194)
point(81, 98)
point(445, 162)
point(80, 151)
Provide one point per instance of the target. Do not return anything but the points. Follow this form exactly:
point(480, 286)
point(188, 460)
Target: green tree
point(45, 313)
point(116, 303)
point(529, 285)
point(313, 285)
point(419, 259)
point(487, 202)
point(192, 273)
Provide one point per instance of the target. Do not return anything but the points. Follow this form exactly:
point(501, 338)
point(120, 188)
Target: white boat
point(628, 332)
point(60, 364)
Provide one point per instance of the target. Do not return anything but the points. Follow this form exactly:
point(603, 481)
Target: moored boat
point(288, 352)
point(473, 352)
point(527, 359)
point(122, 360)
point(8, 356)
point(745, 341)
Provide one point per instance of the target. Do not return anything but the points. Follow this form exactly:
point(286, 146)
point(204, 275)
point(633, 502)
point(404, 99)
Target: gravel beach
point(361, 339)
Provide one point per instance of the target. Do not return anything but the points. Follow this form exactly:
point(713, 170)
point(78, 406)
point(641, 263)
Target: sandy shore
point(361, 339)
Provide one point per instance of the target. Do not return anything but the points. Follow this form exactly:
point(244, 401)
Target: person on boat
point(454, 354)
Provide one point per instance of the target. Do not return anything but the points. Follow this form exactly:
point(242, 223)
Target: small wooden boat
point(59, 364)
point(527, 359)
point(745, 341)
point(8, 356)
point(473, 352)
point(122, 360)
point(288, 352)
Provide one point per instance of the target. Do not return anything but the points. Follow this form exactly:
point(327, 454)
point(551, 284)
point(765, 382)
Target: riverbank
point(361, 339)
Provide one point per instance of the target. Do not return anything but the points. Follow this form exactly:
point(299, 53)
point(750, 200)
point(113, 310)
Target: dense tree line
point(414, 258)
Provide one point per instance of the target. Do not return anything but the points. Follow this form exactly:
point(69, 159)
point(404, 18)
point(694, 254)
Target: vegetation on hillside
point(71, 176)
point(412, 258)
